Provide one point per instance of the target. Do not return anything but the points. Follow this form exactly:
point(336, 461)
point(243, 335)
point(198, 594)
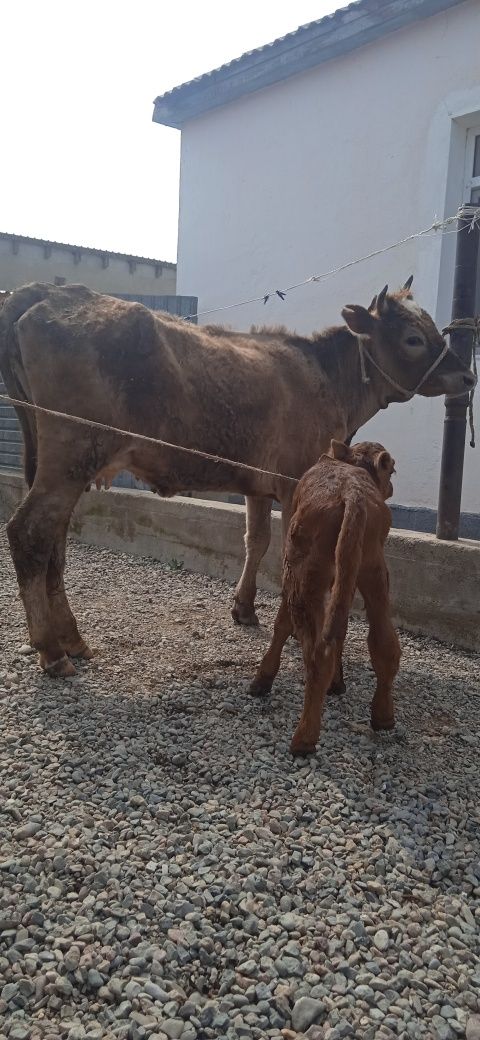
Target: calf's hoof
point(243, 615)
point(302, 748)
point(302, 745)
point(336, 688)
point(260, 686)
point(379, 723)
point(57, 669)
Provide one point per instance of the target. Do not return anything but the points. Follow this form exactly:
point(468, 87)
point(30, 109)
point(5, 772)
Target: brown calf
point(334, 543)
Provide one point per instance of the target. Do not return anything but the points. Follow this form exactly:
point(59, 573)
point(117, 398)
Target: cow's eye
point(414, 341)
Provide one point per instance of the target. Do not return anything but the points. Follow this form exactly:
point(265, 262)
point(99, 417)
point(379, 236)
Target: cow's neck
point(359, 400)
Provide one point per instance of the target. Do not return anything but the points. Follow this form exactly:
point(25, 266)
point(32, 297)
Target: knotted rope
point(468, 325)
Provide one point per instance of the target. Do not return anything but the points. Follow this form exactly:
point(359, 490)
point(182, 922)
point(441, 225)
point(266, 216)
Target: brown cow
point(273, 400)
point(335, 541)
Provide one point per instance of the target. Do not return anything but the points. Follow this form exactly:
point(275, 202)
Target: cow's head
point(370, 456)
point(403, 344)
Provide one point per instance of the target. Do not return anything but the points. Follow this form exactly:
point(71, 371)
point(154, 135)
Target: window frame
point(472, 183)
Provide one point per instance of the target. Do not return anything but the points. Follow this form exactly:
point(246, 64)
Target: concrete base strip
point(435, 585)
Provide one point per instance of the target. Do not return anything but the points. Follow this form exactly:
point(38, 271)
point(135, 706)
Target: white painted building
point(345, 136)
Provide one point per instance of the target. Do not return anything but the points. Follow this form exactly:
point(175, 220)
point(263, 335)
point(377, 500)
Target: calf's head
point(370, 456)
point(405, 344)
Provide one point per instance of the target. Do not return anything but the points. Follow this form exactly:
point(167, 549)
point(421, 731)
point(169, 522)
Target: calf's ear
point(340, 451)
point(384, 462)
point(358, 319)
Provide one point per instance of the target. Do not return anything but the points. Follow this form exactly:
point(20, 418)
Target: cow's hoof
point(244, 616)
point(301, 747)
point(379, 723)
point(336, 689)
point(80, 649)
point(57, 669)
point(260, 687)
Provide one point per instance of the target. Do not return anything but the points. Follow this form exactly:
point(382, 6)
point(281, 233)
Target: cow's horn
point(408, 282)
point(381, 299)
point(373, 304)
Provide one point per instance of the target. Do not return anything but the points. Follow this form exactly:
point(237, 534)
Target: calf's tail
point(348, 557)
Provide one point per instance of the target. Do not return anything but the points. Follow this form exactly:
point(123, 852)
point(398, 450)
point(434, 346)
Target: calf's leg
point(268, 669)
point(257, 540)
point(337, 685)
point(319, 659)
point(383, 643)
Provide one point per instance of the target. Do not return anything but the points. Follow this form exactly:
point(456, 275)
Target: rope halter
point(407, 394)
point(460, 324)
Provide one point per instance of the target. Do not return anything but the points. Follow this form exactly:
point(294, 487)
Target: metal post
point(455, 425)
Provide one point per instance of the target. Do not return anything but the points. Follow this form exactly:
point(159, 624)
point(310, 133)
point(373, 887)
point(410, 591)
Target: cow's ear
point(340, 451)
point(358, 319)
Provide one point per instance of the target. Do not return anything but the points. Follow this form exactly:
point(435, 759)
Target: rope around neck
point(460, 324)
point(408, 394)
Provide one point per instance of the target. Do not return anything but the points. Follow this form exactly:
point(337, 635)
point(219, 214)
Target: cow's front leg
point(33, 533)
point(257, 540)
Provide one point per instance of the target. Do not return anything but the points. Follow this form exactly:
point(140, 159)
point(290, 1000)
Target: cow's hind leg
point(268, 669)
point(383, 642)
point(62, 616)
point(257, 540)
point(33, 534)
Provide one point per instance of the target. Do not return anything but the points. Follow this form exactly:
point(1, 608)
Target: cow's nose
point(470, 380)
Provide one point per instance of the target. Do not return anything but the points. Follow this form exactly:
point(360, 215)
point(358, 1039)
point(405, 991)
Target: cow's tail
point(12, 307)
point(348, 556)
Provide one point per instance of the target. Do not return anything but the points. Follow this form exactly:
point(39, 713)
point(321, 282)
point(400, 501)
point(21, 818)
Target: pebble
point(305, 1012)
point(27, 830)
point(94, 979)
point(156, 992)
point(381, 939)
point(173, 1027)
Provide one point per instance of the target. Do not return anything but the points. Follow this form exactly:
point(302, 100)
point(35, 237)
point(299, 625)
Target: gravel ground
point(167, 870)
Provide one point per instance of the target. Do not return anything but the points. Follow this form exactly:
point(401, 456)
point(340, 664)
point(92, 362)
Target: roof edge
point(308, 46)
point(10, 236)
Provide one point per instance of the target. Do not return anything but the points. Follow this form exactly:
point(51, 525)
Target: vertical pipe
point(455, 425)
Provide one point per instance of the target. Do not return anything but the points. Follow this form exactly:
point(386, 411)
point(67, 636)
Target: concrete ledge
point(435, 585)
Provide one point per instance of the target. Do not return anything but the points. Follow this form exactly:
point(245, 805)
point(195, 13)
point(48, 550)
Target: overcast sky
point(81, 160)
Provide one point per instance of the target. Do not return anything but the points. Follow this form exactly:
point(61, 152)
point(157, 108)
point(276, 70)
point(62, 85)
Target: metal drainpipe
point(455, 425)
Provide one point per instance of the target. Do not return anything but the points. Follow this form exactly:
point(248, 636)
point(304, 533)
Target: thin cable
point(143, 437)
point(438, 225)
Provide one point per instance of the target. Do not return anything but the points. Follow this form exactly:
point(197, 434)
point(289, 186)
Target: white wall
point(30, 264)
point(327, 166)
